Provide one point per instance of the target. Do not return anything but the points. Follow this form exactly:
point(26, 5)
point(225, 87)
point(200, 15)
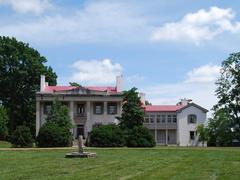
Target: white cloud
point(97, 21)
point(95, 72)
point(193, 87)
point(204, 74)
point(28, 6)
point(197, 27)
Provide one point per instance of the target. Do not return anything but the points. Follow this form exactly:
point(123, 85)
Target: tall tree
point(131, 121)
point(219, 129)
point(56, 131)
point(60, 116)
point(20, 70)
point(133, 113)
point(202, 133)
point(228, 91)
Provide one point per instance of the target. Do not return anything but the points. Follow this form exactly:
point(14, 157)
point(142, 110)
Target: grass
point(5, 144)
point(123, 163)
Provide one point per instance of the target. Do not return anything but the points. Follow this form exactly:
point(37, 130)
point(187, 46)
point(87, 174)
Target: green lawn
point(5, 144)
point(156, 163)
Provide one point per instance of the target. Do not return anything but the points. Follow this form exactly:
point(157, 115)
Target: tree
point(228, 91)
point(59, 115)
point(148, 103)
point(131, 121)
point(56, 131)
point(219, 129)
point(202, 133)
point(74, 84)
point(140, 137)
point(20, 70)
point(51, 135)
point(22, 137)
point(3, 122)
point(107, 136)
point(132, 111)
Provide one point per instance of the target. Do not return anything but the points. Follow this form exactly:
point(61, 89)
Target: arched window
point(192, 119)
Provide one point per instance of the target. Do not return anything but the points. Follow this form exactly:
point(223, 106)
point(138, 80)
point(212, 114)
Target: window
point(47, 107)
point(152, 118)
point(192, 119)
point(80, 109)
point(174, 119)
point(192, 136)
point(158, 118)
point(112, 108)
point(169, 118)
point(163, 118)
point(146, 119)
point(98, 108)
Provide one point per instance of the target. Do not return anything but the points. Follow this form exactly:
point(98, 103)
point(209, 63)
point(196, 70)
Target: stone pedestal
point(80, 153)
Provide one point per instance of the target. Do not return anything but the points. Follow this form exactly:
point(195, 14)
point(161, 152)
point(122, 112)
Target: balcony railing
point(161, 125)
point(80, 119)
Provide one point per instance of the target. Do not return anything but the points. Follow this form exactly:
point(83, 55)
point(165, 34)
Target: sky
point(167, 49)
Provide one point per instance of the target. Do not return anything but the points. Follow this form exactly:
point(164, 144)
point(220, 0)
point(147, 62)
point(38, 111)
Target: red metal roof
point(102, 88)
point(163, 108)
point(67, 88)
point(58, 88)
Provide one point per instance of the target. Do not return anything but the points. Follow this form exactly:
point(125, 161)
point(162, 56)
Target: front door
point(80, 131)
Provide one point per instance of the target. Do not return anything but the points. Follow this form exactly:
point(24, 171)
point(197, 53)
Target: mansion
point(93, 105)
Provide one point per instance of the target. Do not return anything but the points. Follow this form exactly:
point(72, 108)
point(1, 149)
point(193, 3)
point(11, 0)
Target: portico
point(88, 106)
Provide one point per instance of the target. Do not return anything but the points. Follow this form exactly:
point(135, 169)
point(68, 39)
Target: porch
point(164, 136)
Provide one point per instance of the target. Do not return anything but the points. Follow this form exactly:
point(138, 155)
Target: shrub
point(56, 131)
point(107, 136)
point(140, 137)
point(22, 137)
point(3, 123)
point(51, 135)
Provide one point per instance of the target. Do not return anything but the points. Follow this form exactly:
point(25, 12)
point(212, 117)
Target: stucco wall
point(92, 118)
point(103, 118)
point(184, 127)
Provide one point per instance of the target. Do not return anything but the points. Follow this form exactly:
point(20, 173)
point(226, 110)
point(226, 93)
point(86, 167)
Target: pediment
point(82, 91)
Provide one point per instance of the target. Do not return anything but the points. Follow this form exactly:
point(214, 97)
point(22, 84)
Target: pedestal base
point(80, 155)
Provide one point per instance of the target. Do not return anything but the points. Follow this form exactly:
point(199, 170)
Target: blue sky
point(168, 49)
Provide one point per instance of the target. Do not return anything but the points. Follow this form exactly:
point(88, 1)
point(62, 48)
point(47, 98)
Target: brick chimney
point(184, 101)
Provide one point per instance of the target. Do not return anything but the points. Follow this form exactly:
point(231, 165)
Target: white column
point(88, 124)
point(166, 136)
point(105, 108)
point(120, 107)
point(71, 113)
point(155, 135)
point(155, 121)
point(177, 132)
point(38, 110)
point(71, 110)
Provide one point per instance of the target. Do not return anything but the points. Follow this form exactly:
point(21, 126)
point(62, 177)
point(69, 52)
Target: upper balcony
point(79, 119)
point(160, 121)
point(160, 125)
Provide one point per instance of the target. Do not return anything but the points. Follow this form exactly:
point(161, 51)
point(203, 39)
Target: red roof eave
point(163, 108)
point(50, 89)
